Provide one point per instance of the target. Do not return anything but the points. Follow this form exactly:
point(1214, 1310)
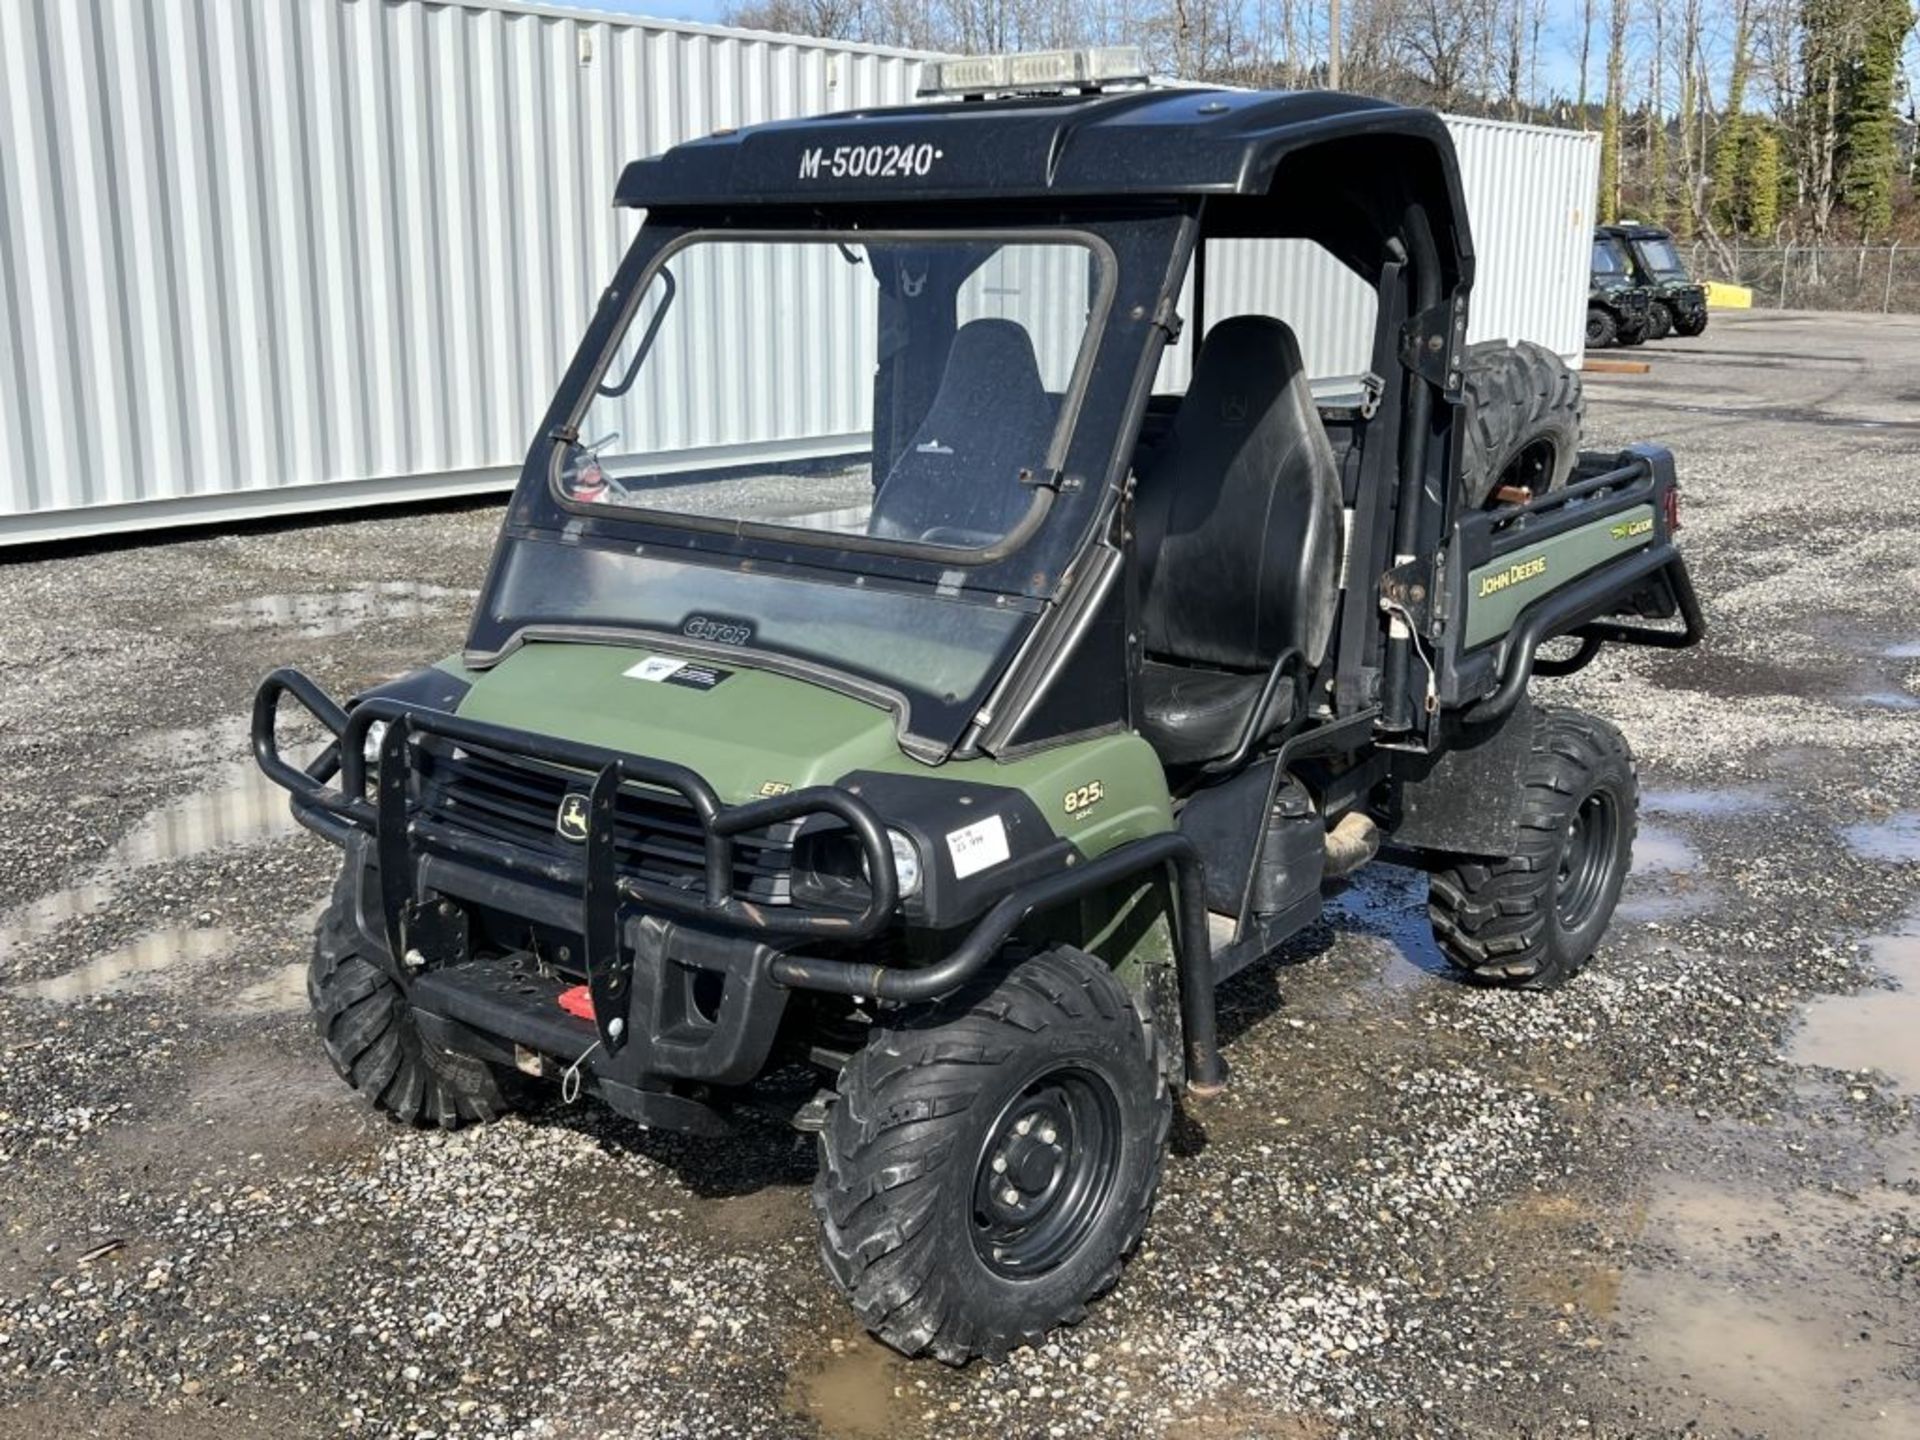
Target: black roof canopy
point(1140, 143)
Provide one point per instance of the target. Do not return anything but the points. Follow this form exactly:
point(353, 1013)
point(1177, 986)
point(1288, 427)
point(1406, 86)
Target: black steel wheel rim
point(1586, 859)
point(1046, 1172)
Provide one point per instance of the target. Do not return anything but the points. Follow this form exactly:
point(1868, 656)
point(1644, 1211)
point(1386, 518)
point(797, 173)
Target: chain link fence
point(1883, 278)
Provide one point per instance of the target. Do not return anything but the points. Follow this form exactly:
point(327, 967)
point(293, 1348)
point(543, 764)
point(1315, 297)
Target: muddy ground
point(1681, 1195)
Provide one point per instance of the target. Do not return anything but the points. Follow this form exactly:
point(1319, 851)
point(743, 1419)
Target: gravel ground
point(1676, 1196)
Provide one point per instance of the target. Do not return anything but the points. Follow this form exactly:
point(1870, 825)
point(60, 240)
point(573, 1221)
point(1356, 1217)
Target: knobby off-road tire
point(1602, 329)
point(1659, 321)
point(1533, 920)
point(1524, 408)
point(1690, 327)
point(991, 1159)
point(372, 1041)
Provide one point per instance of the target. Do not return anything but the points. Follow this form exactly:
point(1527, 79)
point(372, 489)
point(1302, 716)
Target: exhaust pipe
point(1351, 844)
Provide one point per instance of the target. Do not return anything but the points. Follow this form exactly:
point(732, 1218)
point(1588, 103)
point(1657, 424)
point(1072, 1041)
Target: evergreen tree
point(1762, 181)
point(1728, 166)
point(1867, 115)
point(1657, 123)
point(1609, 207)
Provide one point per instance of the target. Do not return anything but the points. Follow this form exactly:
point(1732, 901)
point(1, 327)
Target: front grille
point(657, 836)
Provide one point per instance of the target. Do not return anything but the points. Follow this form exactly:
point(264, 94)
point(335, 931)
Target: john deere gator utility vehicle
point(1619, 306)
point(897, 696)
point(1676, 302)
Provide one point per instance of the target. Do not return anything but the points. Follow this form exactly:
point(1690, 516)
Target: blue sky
point(1559, 46)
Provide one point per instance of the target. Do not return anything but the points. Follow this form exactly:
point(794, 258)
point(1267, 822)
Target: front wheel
point(1601, 328)
point(1691, 325)
point(1533, 920)
point(991, 1159)
point(371, 1038)
point(1659, 321)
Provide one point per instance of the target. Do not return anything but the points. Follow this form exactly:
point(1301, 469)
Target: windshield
point(908, 391)
point(1660, 257)
point(934, 649)
point(1608, 258)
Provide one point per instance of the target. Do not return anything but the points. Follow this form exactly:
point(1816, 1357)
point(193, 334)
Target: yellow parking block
point(1722, 296)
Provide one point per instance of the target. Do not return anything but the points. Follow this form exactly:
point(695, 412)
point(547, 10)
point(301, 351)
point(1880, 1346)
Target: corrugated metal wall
point(1528, 192)
point(1530, 198)
point(278, 254)
point(250, 247)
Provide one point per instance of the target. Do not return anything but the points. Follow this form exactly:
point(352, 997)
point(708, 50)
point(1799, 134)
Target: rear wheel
point(1523, 421)
point(1532, 921)
point(372, 1041)
point(991, 1159)
point(1659, 321)
point(1600, 328)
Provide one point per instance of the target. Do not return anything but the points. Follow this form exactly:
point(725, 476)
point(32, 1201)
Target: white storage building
point(270, 256)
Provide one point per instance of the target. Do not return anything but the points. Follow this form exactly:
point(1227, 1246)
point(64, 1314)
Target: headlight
point(830, 867)
point(906, 863)
point(376, 736)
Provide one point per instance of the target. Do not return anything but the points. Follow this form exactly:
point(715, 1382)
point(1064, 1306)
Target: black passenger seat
point(1237, 523)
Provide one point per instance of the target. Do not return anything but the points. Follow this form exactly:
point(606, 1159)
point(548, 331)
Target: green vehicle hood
point(751, 733)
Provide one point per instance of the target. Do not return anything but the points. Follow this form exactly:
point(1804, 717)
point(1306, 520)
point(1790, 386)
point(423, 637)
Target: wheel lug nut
point(999, 1164)
point(1024, 1124)
point(1010, 1195)
point(1048, 1135)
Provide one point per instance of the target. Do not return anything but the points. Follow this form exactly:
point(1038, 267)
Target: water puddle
point(1660, 851)
point(857, 1392)
point(1390, 902)
point(280, 993)
point(1706, 803)
point(1889, 700)
point(134, 966)
point(50, 912)
point(1905, 650)
point(1675, 902)
point(1661, 885)
point(321, 614)
point(1760, 1320)
point(1895, 839)
point(239, 809)
point(1874, 1029)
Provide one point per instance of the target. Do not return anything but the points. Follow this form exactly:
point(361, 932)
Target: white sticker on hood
point(654, 667)
point(978, 846)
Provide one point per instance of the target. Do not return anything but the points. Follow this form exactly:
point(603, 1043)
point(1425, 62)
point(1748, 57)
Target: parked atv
point(1676, 304)
point(1619, 308)
point(939, 722)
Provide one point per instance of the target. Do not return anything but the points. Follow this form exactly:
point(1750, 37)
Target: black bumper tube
point(1575, 611)
point(1206, 1070)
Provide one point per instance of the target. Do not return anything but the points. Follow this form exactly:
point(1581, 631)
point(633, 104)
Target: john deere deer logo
point(571, 821)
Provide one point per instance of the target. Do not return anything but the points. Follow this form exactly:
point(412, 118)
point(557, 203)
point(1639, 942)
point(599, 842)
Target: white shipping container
point(264, 256)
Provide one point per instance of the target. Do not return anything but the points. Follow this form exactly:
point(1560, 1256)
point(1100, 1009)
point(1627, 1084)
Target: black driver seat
point(957, 481)
point(1237, 524)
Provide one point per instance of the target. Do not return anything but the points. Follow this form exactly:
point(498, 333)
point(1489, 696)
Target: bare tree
point(1610, 121)
point(1439, 41)
point(1657, 121)
point(1586, 53)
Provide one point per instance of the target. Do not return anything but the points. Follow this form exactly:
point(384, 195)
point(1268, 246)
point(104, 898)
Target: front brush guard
point(398, 832)
point(401, 834)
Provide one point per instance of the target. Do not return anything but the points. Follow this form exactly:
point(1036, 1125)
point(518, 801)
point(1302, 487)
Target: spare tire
point(1523, 411)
